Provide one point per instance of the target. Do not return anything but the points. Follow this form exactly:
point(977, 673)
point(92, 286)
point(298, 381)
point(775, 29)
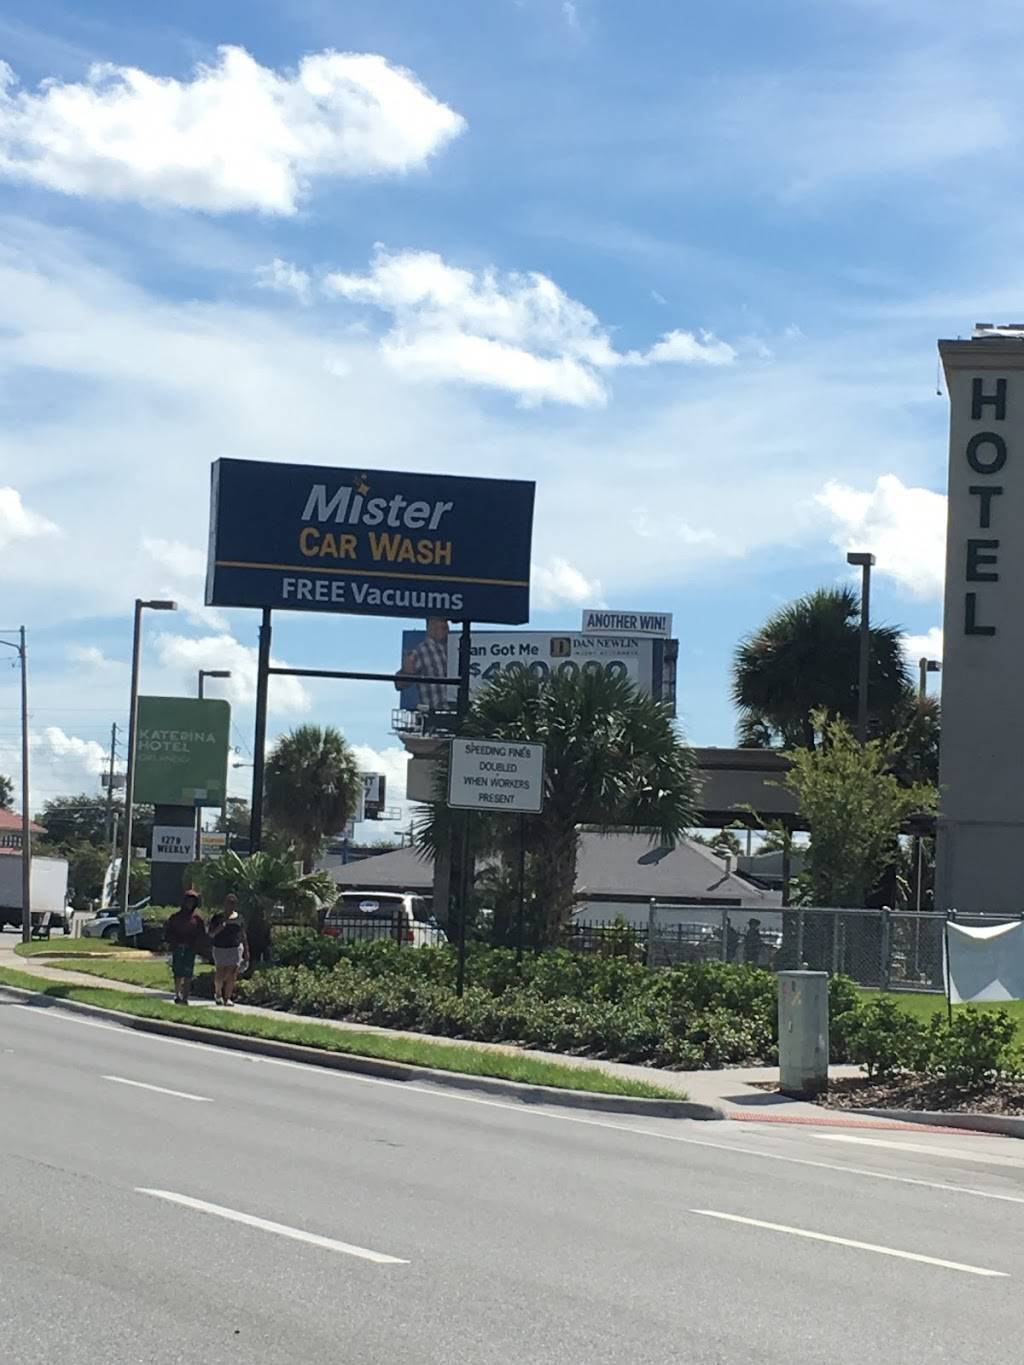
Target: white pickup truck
point(49, 891)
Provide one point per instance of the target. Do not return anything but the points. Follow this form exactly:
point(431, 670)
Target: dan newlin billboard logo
point(373, 542)
point(603, 620)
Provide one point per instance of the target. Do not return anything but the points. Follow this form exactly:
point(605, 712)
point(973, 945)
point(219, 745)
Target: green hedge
point(694, 1015)
point(969, 1052)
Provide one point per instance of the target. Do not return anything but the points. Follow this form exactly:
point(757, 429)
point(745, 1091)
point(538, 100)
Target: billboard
point(603, 622)
point(369, 542)
point(181, 751)
point(648, 663)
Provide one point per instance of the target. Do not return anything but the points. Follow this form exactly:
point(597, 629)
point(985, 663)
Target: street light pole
point(864, 561)
point(133, 718)
point(26, 819)
point(926, 666)
point(205, 673)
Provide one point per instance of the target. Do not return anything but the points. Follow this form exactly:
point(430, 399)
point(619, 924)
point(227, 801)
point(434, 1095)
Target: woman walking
point(230, 950)
point(184, 932)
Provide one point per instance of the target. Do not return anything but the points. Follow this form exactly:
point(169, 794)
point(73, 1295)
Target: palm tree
point(262, 882)
point(613, 759)
point(312, 785)
point(805, 658)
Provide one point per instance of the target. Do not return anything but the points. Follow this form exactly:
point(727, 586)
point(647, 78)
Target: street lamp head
point(861, 558)
point(215, 672)
point(159, 606)
point(931, 665)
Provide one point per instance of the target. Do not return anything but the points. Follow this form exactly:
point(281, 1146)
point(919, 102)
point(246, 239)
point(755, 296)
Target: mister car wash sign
point(489, 774)
point(369, 542)
point(181, 753)
point(981, 797)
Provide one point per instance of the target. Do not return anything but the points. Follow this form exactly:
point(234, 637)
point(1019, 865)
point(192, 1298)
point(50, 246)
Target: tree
point(6, 792)
point(613, 760)
point(262, 882)
point(854, 808)
point(87, 869)
point(70, 819)
point(313, 785)
point(806, 657)
point(234, 819)
point(723, 844)
point(913, 746)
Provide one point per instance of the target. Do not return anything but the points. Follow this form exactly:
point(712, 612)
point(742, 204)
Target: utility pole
point(26, 819)
point(108, 827)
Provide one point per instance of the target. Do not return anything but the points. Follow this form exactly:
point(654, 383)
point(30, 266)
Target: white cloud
point(683, 348)
point(927, 646)
point(517, 332)
point(558, 582)
point(59, 763)
point(183, 571)
point(184, 656)
point(237, 135)
point(18, 522)
point(285, 278)
point(92, 657)
point(905, 528)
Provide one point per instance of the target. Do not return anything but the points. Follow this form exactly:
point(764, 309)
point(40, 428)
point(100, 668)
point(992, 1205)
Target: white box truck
point(49, 891)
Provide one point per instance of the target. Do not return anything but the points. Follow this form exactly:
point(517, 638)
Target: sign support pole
point(259, 742)
point(462, 709)
point(521, 917)
point(949, 977)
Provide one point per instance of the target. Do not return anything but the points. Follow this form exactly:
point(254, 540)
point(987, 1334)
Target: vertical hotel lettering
point(986, 455)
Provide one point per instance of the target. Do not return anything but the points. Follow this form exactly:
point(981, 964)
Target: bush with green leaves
point(689, 1016)
point(885, 1039)
point(973, 1050)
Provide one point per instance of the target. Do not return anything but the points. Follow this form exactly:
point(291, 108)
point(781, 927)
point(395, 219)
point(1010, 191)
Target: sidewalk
point(732, 1089)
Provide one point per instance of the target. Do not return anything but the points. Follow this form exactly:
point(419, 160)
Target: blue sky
point(685, 265)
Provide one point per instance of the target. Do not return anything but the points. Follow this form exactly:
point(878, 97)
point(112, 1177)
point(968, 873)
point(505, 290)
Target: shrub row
point(693, 1015)
point(967, 1053)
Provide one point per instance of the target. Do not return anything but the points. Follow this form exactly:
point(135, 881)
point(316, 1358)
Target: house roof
point(610, 866)
point(11, 819)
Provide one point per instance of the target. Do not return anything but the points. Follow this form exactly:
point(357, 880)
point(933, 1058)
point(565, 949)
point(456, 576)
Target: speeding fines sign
point(485, 774)
point(369, 542)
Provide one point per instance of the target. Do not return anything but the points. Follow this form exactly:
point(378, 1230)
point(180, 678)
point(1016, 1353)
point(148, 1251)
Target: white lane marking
point(281, 1229)
point(160, 1089)
point(858, 1246)
point(956, 1153)
point(524, 1111)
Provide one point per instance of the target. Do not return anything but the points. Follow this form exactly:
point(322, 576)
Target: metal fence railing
point(889, 949)
point(400, 928)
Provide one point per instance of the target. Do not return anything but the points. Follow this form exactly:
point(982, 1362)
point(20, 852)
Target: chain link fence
point(888, 949)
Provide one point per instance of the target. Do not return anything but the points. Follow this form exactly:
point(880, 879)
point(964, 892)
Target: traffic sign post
point(503, 777)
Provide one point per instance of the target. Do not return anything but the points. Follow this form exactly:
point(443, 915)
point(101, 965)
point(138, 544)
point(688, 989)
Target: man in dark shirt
point(185, 932)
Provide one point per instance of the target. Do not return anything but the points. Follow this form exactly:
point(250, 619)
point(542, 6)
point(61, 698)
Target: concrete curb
point(391, 1071)
point(1004, 1124)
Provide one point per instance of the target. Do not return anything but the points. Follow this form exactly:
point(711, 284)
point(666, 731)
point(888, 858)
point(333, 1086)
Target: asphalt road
point(284, 1215)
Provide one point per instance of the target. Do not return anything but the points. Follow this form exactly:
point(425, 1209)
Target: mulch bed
point(908, 1092)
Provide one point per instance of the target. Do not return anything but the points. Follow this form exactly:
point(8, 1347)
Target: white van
point(366, 915)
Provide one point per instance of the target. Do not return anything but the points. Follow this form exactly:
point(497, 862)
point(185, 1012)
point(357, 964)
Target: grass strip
point(154, 974)
point(922, 1005)
point(68, 947)
point(410, 1051)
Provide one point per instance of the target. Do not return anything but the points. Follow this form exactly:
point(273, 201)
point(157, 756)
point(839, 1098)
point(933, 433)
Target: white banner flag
point(985, 964)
